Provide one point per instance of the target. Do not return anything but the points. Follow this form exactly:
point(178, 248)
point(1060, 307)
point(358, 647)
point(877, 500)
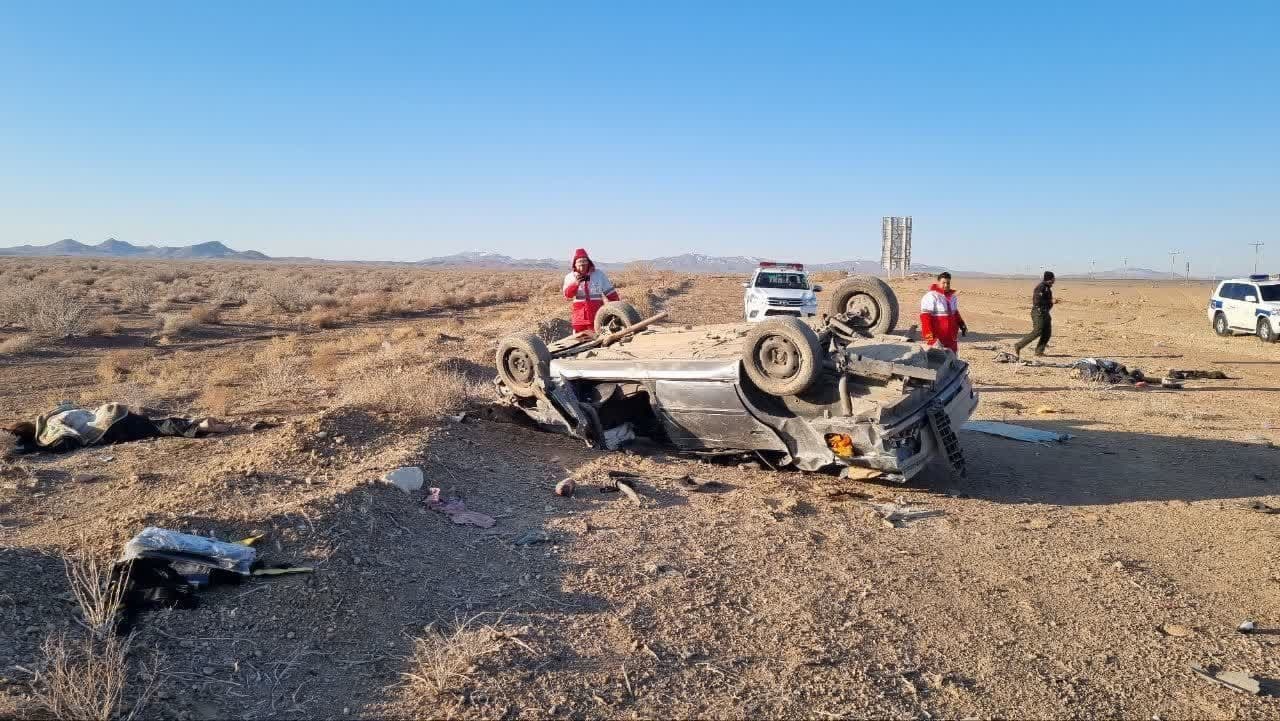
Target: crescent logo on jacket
point(588, 294)
point(940, 319)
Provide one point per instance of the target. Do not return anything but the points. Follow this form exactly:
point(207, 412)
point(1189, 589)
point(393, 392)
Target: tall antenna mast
point(1173, 257)
point(1256, 249)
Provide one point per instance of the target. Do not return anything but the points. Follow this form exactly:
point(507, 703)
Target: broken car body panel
point(688, 387)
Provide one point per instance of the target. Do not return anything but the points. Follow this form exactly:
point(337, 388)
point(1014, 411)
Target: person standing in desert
point(940, 320)
point(588, 288)
point(1042, 302)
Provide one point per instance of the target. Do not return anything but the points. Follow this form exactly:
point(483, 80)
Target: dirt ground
point(1080, 579)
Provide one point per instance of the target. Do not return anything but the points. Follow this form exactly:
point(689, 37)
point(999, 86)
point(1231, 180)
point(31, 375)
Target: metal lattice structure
point(895, 244)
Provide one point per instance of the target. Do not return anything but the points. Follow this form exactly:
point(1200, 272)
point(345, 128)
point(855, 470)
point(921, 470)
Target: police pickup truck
point(1247, 305)
point(779, 289)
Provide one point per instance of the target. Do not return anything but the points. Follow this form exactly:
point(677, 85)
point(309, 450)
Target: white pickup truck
point(779, 289)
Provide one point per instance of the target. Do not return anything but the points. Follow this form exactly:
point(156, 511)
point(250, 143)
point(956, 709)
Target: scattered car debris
point(532, 536)
point(618, 436)
point(161, 568)
point(566, 487)
point(1261, 507)
point(1235, 680)
point(1171, 384)
point(457, 511)
point(1247, 627)
point(185, 548)
point(406, 478)
point(1017, 433)
point(459, 418)
point(1189, 375)
point(622, 481)
point(700, 485)
point(898, 515)
point(262, 425)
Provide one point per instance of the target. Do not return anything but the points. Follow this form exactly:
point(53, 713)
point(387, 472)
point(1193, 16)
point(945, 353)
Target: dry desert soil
point(1080, 579)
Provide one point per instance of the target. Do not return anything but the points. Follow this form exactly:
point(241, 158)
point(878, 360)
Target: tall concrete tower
point(895, 244)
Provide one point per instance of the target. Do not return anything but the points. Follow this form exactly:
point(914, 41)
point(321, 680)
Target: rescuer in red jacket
point(588, 288)
point(940, 320)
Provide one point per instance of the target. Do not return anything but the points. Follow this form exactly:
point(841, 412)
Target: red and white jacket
point(587, 295)
point(940, 319)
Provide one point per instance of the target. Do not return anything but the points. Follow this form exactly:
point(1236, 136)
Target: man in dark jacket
point(1041, 323)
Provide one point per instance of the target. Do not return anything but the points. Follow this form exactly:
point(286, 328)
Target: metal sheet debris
point(1017, 433)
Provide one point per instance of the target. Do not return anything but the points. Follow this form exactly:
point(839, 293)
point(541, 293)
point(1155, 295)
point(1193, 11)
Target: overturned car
point(842, 393)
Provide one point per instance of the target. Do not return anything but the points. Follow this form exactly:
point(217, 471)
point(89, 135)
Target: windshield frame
point(783, 285)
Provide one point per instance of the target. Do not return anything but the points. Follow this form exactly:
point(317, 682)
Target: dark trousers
point(1041, 329)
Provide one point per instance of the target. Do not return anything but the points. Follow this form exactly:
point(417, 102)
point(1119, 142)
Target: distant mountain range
point(687, 263)
point(112, 248)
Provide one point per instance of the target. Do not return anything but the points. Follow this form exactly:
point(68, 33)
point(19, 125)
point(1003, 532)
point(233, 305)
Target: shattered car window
point(784, 281)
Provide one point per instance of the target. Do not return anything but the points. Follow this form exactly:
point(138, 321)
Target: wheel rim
point(862, 310)
point(1265, 330)
point(778, 358)
point(1221, 324)
point(521, 367)
point(612, 324)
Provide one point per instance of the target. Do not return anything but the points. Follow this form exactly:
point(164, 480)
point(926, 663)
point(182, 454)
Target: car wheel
point(1220, 324)
point(615, 316)
point(782, 356)
point(867, 303)
point(523, 360)
point(1265, 333)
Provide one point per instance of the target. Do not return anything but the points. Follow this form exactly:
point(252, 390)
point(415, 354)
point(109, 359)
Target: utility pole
point(1092, 266)
point(1173, 257)
point(1188, 271)
point(1124, 268)
point(1256, 249)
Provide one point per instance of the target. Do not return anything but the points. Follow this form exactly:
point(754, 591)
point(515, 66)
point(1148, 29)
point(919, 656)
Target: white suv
point(1247, 305)
point(779, 289)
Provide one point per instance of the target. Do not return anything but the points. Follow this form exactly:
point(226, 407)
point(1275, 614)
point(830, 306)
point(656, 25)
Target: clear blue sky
point(1016, 134)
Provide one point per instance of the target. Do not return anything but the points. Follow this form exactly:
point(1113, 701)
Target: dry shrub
point(364, 342)
point(176, 324)
point(404, 333)
point(8, 444)
point(19, 344)
point(447, 661)
point(206, 314)
point(87, 676)
point(324, 318)
point(278, 366)
point(136, 292)
point(326, 357)
point(121, 364)
point(57, 312)
point(106, 325)
point(216, 400)
point(228, 371)
point(413, 391)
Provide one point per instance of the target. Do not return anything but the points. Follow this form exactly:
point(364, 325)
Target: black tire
point(868, 303)
point(1220, 325)
point(615, 316)
point(522, 361)
point(1266, 333)
point(782, 356)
